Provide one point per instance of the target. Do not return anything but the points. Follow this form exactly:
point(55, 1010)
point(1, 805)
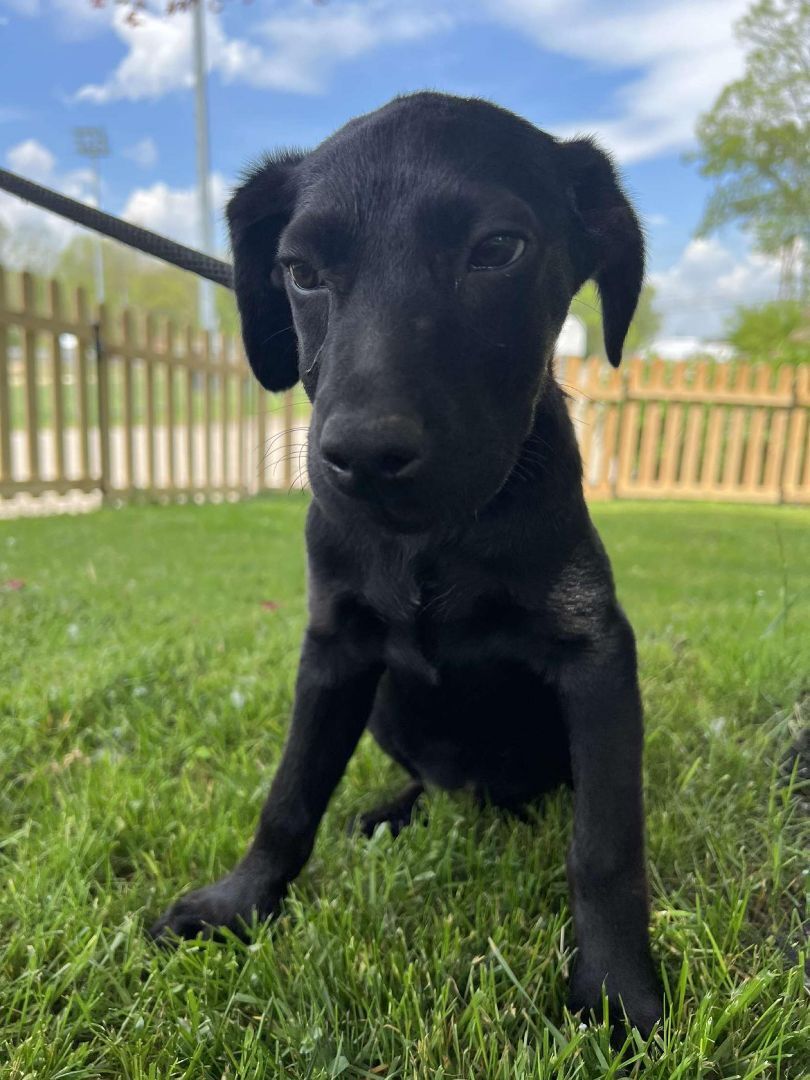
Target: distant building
point(688, 348)
point(573, 338)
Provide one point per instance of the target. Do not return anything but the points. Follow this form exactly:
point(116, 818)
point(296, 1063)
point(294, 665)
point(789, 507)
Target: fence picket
point(691, 447)
point(709, 479)
point(171, 405)
point(241, 469)
point(31, 388)
point(208, 479)
point(128, 360)
point(607, 479)
point(225, 390)
point(262, 450)
point(734, 449)
point(103, 390)
point(57, 383)
point(774, 454)
point(648, 456)
point(83, 331)
point(149, 375)
point(190, 450)
point(671, 444)
point(6, 473)
point(627, 450)
point(287, 440)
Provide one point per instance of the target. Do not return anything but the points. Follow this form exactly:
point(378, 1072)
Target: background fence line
point(733, 432)
point(138, 408)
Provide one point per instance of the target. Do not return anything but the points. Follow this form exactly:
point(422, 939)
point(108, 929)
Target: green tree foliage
point(137, 281)
point(644, 327)
point(755, 139)
point(27, 247)
point(777, 333)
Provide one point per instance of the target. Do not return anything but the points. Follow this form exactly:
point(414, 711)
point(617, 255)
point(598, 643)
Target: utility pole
point(92, 143)
point(207, 309)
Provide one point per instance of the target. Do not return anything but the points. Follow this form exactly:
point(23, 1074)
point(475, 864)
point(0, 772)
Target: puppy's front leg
point(334, 695)
point(606, 863)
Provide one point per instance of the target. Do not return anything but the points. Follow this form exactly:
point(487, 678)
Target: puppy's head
point(414, 272)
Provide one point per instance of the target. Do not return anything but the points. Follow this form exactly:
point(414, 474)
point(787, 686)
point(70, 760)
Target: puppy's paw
point(635, 996)
point(396, 814)
point(231, 903)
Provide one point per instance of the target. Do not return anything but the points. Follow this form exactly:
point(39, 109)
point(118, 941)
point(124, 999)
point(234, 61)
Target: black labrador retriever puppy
point(414, 272)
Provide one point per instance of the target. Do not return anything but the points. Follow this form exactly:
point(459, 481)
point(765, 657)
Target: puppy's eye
point(497, 251)
point(304, 276)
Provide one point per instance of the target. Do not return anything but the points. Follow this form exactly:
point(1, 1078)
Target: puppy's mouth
point(402, 519)
point(401, 508)
point(432, 503)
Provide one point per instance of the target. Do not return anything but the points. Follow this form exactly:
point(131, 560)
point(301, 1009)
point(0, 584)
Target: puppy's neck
point(547, 471)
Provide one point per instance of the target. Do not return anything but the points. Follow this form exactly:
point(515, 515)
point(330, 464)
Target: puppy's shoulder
point(581, 595)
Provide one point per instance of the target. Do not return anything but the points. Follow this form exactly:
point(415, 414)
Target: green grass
point(144, 697)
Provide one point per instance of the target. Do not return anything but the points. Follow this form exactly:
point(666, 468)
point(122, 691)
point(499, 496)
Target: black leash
point(150, 243)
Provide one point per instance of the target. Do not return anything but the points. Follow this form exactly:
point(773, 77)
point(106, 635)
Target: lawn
point(148, 658)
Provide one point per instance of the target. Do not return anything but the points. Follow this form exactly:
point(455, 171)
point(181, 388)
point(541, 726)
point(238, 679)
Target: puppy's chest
point(435, 620)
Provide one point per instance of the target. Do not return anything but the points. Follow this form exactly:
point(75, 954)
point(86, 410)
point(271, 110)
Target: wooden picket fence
point(131, 408)
point(137, 408)
point(733, 432)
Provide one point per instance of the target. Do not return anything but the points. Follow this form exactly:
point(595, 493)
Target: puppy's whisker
point(288, 432)
point(277, 333)
point(293, 455)
point(275, 462)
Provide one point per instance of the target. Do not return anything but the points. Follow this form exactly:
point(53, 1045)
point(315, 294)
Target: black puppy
point(414, 272)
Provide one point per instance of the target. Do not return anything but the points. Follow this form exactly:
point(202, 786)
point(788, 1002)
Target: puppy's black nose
point(384, 449)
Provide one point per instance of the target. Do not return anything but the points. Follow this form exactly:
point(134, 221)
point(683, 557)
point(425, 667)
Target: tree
point(776, 333)
point(645, 325)
point(27, 247)
point(144, 284)
point(755, 139)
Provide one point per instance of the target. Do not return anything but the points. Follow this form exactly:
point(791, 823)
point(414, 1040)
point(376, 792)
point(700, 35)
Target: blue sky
point(636, 73)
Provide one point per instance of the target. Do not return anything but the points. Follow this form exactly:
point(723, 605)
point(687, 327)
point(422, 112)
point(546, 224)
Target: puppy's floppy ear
point(608, 244)
point(257, 213)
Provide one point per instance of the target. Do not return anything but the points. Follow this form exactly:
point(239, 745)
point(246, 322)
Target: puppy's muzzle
point(365, 455)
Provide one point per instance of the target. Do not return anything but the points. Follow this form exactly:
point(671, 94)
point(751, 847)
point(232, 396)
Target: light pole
point(92, 142)
point(207, 310)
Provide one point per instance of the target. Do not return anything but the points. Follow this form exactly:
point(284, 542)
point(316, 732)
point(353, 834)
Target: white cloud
point(684, 51)
point(698, 293)
point(27, 225)
point(158, 60)
point(307, 46)
point(144, 152)
point(173, 212)
point(290, 52)
point(32, 159)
